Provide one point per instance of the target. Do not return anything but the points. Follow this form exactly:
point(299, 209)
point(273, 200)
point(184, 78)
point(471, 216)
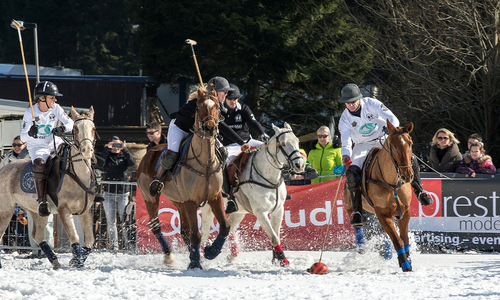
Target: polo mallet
point(192, 43)
point(20, 27)
point(319, 267)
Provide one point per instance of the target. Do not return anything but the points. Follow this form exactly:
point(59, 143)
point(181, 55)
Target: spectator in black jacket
point(303, 178)
point(153, 131)
point(117, 159)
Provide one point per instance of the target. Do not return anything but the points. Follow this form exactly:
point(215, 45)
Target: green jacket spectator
point(325, 157)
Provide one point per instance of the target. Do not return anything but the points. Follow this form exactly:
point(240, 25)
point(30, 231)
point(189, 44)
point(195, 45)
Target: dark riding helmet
point(350, 93)
point(219, 84)
point(235, 93)
point(46, 88)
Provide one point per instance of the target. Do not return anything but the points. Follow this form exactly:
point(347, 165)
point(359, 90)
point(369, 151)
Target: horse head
point(288, 145)
point(208, 111)
point(399, 145)
point(84, 132)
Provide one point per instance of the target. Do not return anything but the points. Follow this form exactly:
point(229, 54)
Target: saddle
point(54, 168)
point(174, 171)
point(235, 169)
point(364, 174)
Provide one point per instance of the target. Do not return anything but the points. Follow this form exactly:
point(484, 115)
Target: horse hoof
point(55, 264)
point(168, 259)
point(73, 263)
point(284, 262)
point(193, 266)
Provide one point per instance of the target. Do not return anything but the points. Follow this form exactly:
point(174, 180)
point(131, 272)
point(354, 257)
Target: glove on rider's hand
point(33, 132)
point(59, 130)
point(264, 137)
point(346, 160)
point(384, 129)
point(247, 148)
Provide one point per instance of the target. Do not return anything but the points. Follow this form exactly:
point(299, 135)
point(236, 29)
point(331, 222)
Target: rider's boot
point(353, 180)
point(166, 163)
point(227, 192)
point(419, 191)
point(40, 181)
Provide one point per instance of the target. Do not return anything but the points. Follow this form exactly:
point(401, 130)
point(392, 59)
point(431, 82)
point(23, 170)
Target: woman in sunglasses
point(324, 157)
point(445, 155)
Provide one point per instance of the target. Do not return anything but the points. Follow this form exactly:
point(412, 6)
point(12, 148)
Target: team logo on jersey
point(354, 124)
point(52, 117)
point(370, 117)
point(367, 128)
point(237, 118)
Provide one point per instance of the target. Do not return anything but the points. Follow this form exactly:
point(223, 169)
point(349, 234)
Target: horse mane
point(194, 94)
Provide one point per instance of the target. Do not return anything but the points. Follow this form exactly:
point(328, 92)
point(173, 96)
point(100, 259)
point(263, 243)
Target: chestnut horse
point(198, 182)
point(75, 197)
point(387, 192)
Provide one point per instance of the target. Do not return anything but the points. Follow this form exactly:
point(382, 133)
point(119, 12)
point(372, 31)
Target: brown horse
point(198, 182)
point(386, 188)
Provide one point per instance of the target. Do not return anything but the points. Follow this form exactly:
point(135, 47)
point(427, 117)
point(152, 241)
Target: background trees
point(281, 53)
point(94, 36)
point(437, 64)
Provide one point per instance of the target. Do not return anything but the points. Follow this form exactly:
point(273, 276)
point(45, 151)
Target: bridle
point(275, 163)
point(70, 169)
point(288, 157)
point(201, 132)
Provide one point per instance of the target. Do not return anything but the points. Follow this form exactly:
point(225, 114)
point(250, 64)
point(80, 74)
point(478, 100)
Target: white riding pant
point(175, 136)
point(233, 150)
point(43, 151)
point(360, 151)
point(112, 204)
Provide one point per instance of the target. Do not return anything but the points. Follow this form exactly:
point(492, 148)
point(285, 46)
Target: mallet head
point(191, 42)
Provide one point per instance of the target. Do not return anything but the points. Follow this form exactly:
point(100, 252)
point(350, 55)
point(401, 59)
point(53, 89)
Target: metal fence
point(17, 236)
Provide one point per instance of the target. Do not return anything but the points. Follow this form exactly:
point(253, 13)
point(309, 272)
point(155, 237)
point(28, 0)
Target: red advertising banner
point(303, 228)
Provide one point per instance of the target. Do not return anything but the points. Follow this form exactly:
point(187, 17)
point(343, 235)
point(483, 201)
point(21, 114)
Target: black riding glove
point(33, 132)
point(59, 130)
point(384, 129)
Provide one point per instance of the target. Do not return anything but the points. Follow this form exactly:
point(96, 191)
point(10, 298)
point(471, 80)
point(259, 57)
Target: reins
point(384, 183)
point(279, 165)
point(70, 169)
point(210, 138)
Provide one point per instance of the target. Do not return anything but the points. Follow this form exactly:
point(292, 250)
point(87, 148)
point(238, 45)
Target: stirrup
point(158, 188)
point(357, 219)
point(424, 199)
point(43, 210)
point(231, 206)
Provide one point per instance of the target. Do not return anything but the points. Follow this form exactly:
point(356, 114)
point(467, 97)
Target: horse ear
point(409, 128)
point(275, 128)
point(390, 127)
point(90, 113)
point(287, 126)
point(74, 115)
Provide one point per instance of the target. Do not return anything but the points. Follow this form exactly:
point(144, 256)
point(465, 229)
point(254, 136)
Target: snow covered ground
point(253, 276)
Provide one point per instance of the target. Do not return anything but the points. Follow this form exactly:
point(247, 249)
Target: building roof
point(15, 109)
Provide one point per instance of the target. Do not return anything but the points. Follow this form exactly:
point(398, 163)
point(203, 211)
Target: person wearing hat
point(37, 133)
point(180, 126)
point(363, 124)
point(117, 159)
point(240, 118)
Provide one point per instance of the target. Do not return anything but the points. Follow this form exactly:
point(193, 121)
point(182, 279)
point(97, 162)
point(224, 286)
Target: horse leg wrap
point(360, 240)
point(194, 256)
point(387, 252)
point(165, 246)
point(48, 252)
point(85, 253)
point(77, 260)
point(212, 251)
point(404, 263)
point(279, 255)
point(154, 225)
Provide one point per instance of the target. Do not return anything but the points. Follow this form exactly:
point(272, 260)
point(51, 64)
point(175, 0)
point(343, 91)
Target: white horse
point(261, 190)
point(75, 196)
